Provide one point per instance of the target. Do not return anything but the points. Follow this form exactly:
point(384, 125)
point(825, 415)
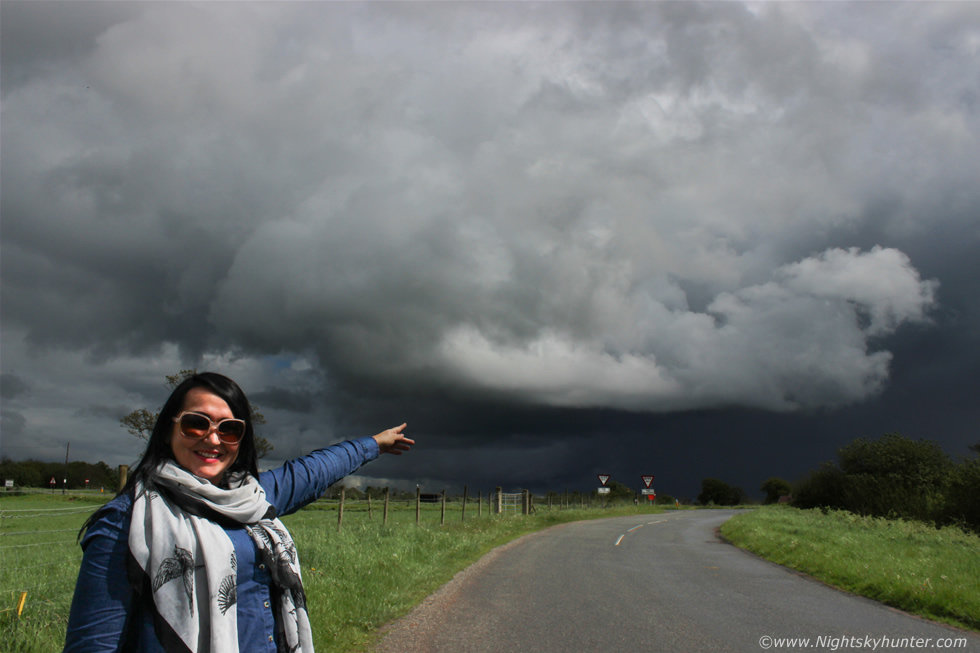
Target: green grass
point(356, 580)
point(39, 555)
point(934, 573)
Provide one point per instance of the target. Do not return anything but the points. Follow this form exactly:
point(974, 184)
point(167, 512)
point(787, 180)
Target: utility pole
point(65, 484)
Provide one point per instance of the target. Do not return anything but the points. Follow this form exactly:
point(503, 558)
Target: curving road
point(650, 583)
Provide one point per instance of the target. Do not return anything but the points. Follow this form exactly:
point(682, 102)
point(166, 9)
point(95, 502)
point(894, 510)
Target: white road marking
point(636, 527)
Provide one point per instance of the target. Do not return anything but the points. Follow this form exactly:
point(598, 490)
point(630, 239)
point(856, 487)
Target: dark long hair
point(158, 449)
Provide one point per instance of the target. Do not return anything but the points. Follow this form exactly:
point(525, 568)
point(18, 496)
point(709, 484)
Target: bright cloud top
point(798, 341)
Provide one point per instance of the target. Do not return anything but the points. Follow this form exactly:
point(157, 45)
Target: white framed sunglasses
point(197, 426)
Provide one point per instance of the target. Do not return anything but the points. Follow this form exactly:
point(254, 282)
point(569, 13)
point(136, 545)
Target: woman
point(191, 555)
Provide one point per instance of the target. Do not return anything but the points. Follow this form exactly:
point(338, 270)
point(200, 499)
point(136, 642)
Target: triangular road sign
point(603, 478)
point(647, 480)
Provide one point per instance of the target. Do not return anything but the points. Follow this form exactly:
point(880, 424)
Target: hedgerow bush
point(895, 476)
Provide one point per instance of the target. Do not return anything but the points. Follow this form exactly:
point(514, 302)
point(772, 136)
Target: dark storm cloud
point(114, 413)
point(12, 386)
point(527, 228)
point(52, 32)
point(283, 399)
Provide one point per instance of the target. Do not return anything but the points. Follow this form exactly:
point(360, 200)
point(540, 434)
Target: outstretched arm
point(394, 441)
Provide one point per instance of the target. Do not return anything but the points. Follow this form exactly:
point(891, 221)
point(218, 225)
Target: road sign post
point(603, 478)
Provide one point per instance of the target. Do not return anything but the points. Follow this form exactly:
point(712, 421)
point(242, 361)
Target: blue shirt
point(105, 607)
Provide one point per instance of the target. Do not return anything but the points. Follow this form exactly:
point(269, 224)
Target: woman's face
point(207, 457)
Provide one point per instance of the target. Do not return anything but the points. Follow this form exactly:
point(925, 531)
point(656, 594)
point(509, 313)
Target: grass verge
point(934, 573)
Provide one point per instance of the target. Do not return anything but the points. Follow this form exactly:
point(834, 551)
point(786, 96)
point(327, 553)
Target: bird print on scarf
point(181, 565)
point(228, 590)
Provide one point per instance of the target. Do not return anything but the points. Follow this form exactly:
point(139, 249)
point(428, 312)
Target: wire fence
point(40, 556)
point(39, 553)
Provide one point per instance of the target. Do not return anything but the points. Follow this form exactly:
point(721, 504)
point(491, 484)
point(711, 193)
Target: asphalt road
point(653, 583)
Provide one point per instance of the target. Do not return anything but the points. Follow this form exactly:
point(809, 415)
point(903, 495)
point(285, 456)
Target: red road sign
point(52, 480)
point(647, 480)
point(603, 478)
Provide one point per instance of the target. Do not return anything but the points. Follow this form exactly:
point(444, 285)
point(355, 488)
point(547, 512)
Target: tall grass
point(912, 566)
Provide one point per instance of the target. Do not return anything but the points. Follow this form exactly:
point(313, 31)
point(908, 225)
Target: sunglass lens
point(194, 426)
point(231, 430)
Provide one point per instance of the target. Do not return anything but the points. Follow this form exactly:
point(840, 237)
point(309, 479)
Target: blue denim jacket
point(104, 607)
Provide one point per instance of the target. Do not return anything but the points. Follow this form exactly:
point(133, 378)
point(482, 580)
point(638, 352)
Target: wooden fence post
point(442, 518)
point(370, 514)
point(123, 476)
point(499, 501)
point(479, 504)
point(463, 515)
point(340, 510)
point(386, 506)
point(418, 505)
point(525, 502)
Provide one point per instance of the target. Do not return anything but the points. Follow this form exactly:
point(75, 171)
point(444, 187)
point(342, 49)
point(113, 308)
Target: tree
point(618, 492)
point(891, 476)
point(963, 495)
point(897, 459)
point(140, 422)
point(774, 488)
point(720, 493)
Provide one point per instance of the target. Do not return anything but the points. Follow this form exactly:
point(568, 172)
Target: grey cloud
point(46, 34)
point(12, 385)
point(107, 412)
point(283, 399)
point(628, 206)
point(13, 423)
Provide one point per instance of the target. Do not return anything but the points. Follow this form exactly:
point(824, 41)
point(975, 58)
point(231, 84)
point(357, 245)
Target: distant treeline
point(37, 474)
point(893, 476)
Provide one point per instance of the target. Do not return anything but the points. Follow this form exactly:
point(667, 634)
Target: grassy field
point(39, 555)
point(356, 580)
point(930, 572)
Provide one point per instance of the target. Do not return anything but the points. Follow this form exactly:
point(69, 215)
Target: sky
point(557, 239)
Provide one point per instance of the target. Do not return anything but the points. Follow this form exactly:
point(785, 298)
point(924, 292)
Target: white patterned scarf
point(183, 559)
